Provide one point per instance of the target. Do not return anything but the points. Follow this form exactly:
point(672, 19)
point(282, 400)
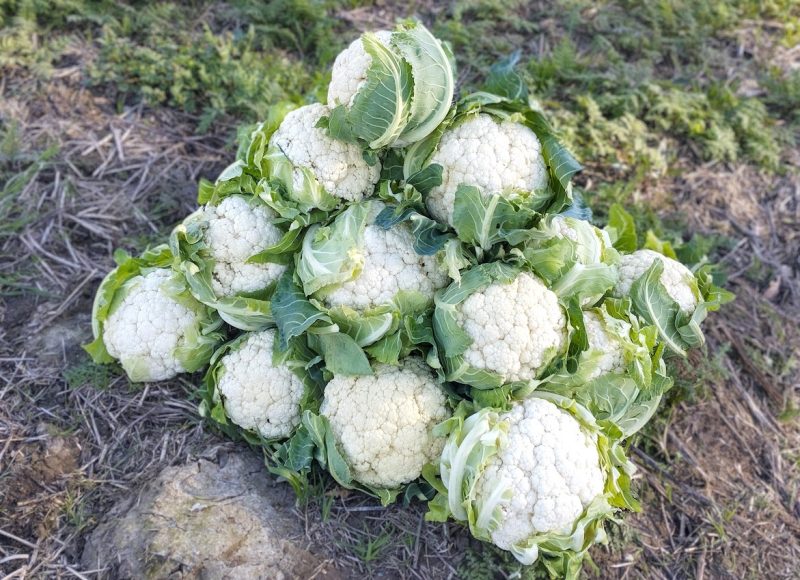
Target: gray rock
point(220, 518)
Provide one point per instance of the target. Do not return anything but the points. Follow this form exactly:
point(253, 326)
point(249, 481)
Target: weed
point(326, 506)
point(477, 566)
point(481, 31)
point(605, 113)
point(719, 528)
point(371, 546)
point(694, 378)
point(371, 550)
point(303, 27)
point(789, 413)
point(782, 93)
point(86, 372)
point(15, 284)
point(18, 170)
point(483, 561)
point(198, 71)
point(625, 79)
point(75, 511)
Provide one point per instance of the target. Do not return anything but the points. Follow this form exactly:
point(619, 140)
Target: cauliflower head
point(338, 166)
point(495, 156)
point(349, 72)
point(676, 278)
point(604, 347)
point(516, 328)
point(383, 422)
point(258, 394)
point(390, 265)
point(235, 231)
point(591, 242)
point(551, 464)
point(147, 330)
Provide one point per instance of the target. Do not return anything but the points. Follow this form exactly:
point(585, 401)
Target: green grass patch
point(193, 68)
point(18, 170)
point(631, 84)
point(85, 372)
point(483, 561)
point(634, 85)
point(206, 58)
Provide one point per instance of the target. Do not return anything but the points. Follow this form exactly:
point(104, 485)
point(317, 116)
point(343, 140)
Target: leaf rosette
point(197, 341)
point(475, 438)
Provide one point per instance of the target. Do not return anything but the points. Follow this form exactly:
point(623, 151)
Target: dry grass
point(393, 542)
point(68, 451)
point(719, 470)
point(720, 477)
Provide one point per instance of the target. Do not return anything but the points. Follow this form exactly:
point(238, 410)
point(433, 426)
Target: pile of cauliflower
point(402, 288)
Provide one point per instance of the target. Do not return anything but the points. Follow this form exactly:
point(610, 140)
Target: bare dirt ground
point(718, 472)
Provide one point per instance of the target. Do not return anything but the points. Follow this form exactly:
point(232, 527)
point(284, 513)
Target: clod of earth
point(206, 519)
point(38, 476)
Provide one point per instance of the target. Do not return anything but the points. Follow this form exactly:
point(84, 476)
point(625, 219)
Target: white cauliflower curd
point(257, 394)
point(338, 166)
point(355, 263)
point(147, 330)
point(350, 70)
point(497, 157)
point(539, 477)
point(390, 265)
point(551, 464)
point(516, 328)
point(235, 231)
point(383, 422)
point(677, 279)
point(605, 349)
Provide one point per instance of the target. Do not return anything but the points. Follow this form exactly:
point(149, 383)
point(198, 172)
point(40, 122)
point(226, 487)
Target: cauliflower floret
point(236, 231)
point(338, 166)
point(146, 328)
point(495, 156)
point(606, 347)
point(516, 329)
point(390, 265)
point(676, 277)
point(552, 466)
point(563, 229)
point(383, 423)
point(350, 70)
point(257, 394)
